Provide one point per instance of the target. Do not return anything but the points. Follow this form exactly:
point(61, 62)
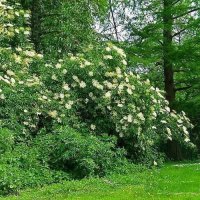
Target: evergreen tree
point(165, 32)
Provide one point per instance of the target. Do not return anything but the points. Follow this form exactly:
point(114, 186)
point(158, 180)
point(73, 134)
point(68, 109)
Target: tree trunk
point(173, 147)
point(36, 24)
point(167, 52)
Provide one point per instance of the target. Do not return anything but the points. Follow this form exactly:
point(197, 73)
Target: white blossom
point(141, 116)
point(108, 57)
point(108, 94)
point(129, 91)
point(169, 131)
point(64, 71)
point(82, 84)
point(66, 87)
point(130, 118)
point(93, 127)
point(58, 66)
point(124, 62)
point(187, 139)
point(68, 106)
point(108, 49)
point(53, 113)
point(91, 73)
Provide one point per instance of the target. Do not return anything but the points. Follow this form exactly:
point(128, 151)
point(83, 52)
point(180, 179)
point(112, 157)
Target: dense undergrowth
point(49, 158)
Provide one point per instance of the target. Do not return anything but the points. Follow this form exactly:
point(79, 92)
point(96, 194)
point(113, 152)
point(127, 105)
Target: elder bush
point(90, 91)
point(105, 98)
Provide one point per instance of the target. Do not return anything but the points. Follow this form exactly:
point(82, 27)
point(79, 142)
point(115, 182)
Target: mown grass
point(173, 181)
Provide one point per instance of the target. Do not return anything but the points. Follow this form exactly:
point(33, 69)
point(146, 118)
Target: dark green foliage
point(20, 166)
point(51, 158)
point(80, 155)
point(14, 178)
point(6, 140)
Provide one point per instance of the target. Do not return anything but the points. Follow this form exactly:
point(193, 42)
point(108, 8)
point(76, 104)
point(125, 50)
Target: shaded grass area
point(173, 181)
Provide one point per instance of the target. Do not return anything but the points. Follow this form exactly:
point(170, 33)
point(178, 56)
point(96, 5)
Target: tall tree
point(168, 33)
point(167, 50)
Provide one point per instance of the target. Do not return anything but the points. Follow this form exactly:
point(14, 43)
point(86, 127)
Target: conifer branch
point(186, 13)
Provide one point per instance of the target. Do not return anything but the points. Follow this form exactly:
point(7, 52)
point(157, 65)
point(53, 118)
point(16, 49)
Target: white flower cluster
point(9, 13)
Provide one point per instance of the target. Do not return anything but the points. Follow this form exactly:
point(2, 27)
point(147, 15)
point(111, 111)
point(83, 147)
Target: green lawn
point(181, 181)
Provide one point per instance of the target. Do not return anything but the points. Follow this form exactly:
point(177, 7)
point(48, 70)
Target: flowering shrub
point(91, 91)
point(106, 98)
